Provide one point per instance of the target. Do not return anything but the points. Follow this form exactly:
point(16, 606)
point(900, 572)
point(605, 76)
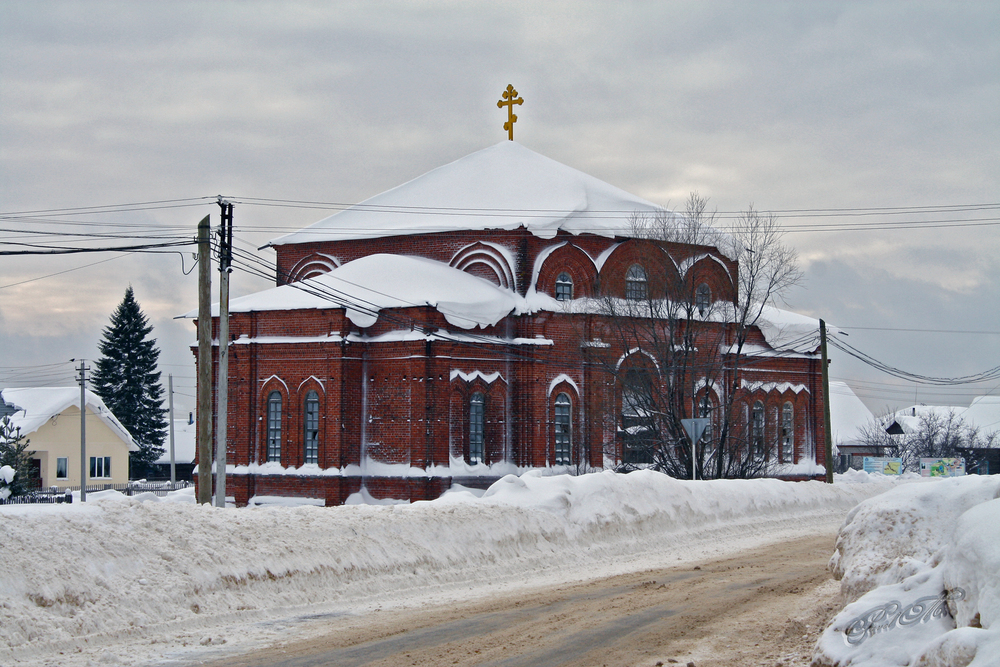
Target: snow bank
point(134, 571)
point(921, 567)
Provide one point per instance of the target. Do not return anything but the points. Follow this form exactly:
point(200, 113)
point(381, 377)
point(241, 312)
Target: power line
point(945, 331)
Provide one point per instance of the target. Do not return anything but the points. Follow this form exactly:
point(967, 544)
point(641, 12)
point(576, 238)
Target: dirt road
point(763, 607)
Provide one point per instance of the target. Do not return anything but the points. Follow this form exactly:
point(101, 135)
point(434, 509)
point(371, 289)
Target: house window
point(787, 433)
point(62, 467)
point(757, 432)
point(274, 426)
point(477, 419)
point(563, 431)
point(564, 287)
point(702, 298)
point(100, 467)
point(635, 283)
point(311, 444)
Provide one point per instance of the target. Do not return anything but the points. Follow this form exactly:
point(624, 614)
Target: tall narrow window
point(274, 426)
point(705, 410)
point(635, 283)
point(564, 287)
point(787, 433)
point(311, 441)
point(757, 432)
point(62, 467)
point(477, 421)
point(702, 298)
point(563, 445)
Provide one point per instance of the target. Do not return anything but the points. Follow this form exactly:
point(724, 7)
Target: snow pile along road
point(136, 570)
point(921, 567)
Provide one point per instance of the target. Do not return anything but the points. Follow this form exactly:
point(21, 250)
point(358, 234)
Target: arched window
point(707, 410)
point(564, 287)
point(757, 432)
point(477, 412)
point(635, 283)
point(787, 433)
point(311, 440)
point(702, 298)
point(563, 445)
point(274, 426)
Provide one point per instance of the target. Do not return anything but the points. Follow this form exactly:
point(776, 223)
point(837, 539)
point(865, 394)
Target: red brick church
point(450, 331)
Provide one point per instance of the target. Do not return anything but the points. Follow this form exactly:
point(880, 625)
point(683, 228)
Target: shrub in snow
point(6, 477)
point(14, 455)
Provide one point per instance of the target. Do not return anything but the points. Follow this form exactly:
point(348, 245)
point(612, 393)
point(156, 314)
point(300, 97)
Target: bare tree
point(936, 435)
point(686, 348)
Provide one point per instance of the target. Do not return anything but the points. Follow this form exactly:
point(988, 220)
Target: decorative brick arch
point(710, 271)
point(663, 277)
point(486, 260)
point(274, 385)
point(297, 420)
point(560, 389)
point(571, 260)
point(494, 391)
point(311, 266)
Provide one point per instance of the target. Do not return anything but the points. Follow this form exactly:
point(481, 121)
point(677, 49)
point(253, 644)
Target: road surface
point(764, 606)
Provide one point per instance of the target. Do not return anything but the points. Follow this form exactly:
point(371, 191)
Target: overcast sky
point(783, 105)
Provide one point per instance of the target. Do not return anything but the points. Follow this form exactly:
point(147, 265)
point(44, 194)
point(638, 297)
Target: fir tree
point(126, 379)
point(14, 453)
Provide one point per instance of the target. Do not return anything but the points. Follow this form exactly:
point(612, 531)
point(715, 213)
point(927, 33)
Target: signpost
point(695, 429)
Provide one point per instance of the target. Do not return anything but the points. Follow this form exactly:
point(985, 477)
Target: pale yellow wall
point(60, 436)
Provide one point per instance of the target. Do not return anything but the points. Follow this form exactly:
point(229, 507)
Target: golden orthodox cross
point(510, 95)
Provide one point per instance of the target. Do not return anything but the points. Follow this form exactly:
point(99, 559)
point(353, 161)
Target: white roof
point(847, 414)
point(983, 413)
point(376, 282)
point(185, 442)
point(501, 187)
point(784, 329)
point(36, 405)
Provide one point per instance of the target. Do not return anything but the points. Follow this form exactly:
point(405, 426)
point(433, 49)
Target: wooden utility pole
point(204, 362)
point(827, 431)
point(225, 267)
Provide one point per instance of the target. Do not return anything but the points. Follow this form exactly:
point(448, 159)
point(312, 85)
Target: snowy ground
point(920, 565)
point(142, 581)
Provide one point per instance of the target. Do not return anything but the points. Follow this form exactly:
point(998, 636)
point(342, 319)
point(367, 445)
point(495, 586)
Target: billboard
point(942, 467)
point(884, 465)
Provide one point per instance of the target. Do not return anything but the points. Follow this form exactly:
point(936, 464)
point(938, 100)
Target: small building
point(848, 418)
point(185, 444)
point(49, 417)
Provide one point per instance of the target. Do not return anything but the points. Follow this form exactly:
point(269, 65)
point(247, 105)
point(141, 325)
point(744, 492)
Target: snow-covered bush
point(6, 477)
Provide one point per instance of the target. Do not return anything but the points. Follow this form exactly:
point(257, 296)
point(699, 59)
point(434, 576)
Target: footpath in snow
point(134, 580)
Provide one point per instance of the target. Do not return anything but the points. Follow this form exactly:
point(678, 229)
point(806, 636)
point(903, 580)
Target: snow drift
point(138, 571)
point(920, 565)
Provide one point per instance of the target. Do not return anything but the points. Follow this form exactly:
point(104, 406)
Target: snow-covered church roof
point(36, 405)
point(501, 187)
point(377, 282)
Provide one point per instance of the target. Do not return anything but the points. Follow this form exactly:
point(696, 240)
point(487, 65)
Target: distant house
point(848, 417)
point(50, 418)
point(983, 414)
point(185, 441)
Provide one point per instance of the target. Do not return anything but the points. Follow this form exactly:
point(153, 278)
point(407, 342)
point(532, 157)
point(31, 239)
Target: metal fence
point(64, 494)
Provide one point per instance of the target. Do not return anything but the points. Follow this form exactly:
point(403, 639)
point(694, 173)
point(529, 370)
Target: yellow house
point(50, 418)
